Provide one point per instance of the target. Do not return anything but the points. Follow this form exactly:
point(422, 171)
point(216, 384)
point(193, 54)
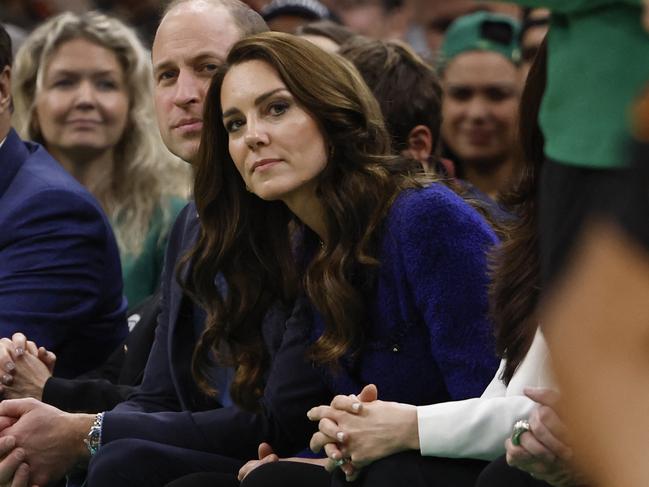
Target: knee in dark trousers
point(141, 463)
point(499, 474)
point(414, 470)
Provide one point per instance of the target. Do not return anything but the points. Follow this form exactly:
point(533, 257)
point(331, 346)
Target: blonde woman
point(82, 88)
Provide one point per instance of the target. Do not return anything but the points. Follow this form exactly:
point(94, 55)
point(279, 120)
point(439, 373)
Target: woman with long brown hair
point(440, 444)
point(298, 194)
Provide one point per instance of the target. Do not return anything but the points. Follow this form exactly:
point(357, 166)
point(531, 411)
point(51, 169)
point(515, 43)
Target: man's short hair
point(407, 89)
point(246, 19)
point(6, 56)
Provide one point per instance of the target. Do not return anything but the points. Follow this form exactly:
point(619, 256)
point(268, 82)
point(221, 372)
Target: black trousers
point(403, 469)
point(150, 464)
point(499, 474)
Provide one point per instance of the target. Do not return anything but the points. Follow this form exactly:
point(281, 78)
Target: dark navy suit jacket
point(60, 275)
point(168, 408)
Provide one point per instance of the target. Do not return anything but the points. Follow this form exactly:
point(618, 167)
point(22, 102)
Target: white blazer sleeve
point(477, 428)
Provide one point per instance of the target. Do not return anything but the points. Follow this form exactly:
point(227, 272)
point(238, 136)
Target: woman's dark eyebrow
point(258, 101)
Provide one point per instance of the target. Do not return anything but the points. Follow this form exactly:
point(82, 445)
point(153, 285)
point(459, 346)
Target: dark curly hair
point(250, 242)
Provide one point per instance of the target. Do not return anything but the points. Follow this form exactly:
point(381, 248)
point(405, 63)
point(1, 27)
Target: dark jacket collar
point(12, 155)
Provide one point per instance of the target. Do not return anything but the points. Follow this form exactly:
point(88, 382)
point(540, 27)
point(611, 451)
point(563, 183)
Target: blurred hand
point(543, 451)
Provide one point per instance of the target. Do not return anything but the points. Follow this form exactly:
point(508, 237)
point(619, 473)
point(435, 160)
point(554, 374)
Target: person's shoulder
point(436, 211)
point(433, 200)
point(41, 173)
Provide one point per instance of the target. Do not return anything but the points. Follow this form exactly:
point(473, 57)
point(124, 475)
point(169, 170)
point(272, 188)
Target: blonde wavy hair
point(145, 174)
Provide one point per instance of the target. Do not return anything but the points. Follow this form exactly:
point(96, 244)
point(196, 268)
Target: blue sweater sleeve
point(443, 245)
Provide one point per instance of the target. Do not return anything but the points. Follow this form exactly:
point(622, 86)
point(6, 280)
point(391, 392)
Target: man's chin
point(188, 152)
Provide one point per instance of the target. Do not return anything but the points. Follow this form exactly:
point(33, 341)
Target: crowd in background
point(425, 299)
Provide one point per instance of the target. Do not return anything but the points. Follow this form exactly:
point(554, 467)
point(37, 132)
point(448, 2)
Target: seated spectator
point(376, 19)
point(435, 16)
point(446, 443)
point(82, 89)
point(60, 280)
point(480, 75)
point(288, 15)
point(409, 94)
point(410, 97)
point(326, 34)
point(279, 152)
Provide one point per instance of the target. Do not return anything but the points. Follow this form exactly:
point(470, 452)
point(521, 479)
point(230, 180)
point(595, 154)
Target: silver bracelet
point(93, 440)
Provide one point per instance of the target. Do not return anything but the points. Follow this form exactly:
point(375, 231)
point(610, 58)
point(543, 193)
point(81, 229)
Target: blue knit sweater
point(429, 338)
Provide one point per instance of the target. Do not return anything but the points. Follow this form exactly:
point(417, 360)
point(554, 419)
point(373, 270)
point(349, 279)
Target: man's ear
point(5, 90)
point(420, 145)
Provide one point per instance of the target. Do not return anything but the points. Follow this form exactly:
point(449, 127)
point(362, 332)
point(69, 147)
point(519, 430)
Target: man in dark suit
point(60, 278)
point(168, 427)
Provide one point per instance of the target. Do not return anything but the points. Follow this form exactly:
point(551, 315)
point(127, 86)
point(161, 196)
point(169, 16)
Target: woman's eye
point(106, 84)
point(233, 125)
point(278, 108)
point(498, 94)
point(62, 83)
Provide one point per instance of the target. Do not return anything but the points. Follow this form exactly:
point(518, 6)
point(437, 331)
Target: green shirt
point(598, 63)
point(141, 272)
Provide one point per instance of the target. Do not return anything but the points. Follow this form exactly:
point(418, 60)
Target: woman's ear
point(420, 145)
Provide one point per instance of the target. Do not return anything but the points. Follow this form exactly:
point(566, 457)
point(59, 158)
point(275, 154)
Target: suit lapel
point(12, 155)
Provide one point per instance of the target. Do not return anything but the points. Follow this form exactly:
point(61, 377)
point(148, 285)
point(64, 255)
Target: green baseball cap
point(481, 31)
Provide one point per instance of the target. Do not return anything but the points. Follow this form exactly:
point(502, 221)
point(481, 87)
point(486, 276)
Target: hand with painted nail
point(267, 455)
point(364, 429)
point(543, 451)
point(28, 378)
point(26, 367)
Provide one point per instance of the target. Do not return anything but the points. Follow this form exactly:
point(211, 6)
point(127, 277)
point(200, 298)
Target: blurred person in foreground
point(594, 235)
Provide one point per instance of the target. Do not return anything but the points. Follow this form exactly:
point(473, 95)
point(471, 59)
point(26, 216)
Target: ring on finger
point(520, 427)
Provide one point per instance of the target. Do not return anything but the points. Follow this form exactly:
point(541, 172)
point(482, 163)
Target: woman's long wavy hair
point(516, 283)
point(144, 173)
point(250, 242)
